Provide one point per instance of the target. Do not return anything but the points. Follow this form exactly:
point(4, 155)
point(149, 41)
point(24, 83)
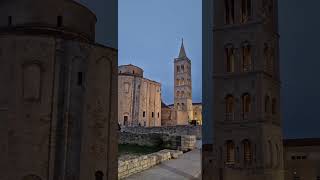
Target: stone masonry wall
point(130, 166)
point(172, 130)
point(184, 142)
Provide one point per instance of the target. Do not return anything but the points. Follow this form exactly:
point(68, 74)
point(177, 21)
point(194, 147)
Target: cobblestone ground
point(187, 166)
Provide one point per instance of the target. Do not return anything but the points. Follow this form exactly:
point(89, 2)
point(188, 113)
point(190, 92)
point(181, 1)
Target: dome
point(62, 17)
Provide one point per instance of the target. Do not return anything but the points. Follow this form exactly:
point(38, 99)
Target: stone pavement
point(187, 166)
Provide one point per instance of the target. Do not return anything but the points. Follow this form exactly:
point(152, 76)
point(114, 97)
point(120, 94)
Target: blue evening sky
point(150, 33)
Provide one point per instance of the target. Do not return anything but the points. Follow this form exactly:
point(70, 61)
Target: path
point(187, 166)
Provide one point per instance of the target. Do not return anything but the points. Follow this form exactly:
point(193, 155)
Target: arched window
point(182, 68)
point(245, 10)
point(229, 11)
point(178, 93)
point(229, 107)
point(182, 93)
point(267, 104)
point(246, 105)
point(274, 106)
point(247, 151)
point(230, 57)
point(230, 155)
point(99, 175)
point(178, 68)
point(182, 81)
point(246, 58)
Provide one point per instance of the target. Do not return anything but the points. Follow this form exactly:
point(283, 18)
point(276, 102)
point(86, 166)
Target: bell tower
point(246, 110)
point(182, 88)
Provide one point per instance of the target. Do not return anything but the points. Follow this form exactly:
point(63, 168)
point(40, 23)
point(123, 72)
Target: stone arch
point(99, 175)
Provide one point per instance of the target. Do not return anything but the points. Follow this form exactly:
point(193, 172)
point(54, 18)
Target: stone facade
point(246, 105)
point(57, 89)
point(139, 98)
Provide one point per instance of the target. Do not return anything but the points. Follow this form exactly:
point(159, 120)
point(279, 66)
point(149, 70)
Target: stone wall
point(130, 166)
point(184, 142)
point(172, 130)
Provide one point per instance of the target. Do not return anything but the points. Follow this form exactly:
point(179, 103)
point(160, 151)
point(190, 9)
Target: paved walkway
point(187, 166)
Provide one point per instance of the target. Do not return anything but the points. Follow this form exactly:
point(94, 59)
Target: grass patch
point(132, 149)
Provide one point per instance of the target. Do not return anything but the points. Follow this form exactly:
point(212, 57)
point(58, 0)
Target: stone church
point(57, 89)
point(139, 98)
point(247, 127)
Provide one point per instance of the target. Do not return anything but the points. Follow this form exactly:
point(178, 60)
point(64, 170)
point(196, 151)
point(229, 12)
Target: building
point(57, 88)
point(197, 112)
point(182, 88)
point(246, 108)
point(302, 159)
point(139, 99)
point(167, 115)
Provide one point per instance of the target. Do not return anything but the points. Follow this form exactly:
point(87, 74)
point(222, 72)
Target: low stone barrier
point(184, 142)
point(130, 166)
point(172, 130)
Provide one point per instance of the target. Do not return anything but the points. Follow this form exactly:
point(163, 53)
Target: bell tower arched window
point(245, 10)
point(267, 104)
point(246, 105)
point(247, 151)
point(229, 11)
point(246, 58)
point(230, 154)
point(274, 106)
point(229, 107)
point(230, 58)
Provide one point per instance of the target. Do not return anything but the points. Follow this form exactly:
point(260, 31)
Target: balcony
point(229, 116)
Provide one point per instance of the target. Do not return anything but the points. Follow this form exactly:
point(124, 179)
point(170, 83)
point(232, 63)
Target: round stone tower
point(57, 85)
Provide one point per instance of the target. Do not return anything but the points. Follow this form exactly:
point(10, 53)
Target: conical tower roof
point(182, 53)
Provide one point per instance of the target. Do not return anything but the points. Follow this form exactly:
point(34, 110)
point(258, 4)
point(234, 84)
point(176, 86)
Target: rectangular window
point(152, 114)
point(9, 20)
point(80, 79)
point(144, 114)
point(158, 114)
point(60, 21)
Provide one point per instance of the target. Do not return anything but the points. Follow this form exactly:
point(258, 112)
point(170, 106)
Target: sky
point(150, 33)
